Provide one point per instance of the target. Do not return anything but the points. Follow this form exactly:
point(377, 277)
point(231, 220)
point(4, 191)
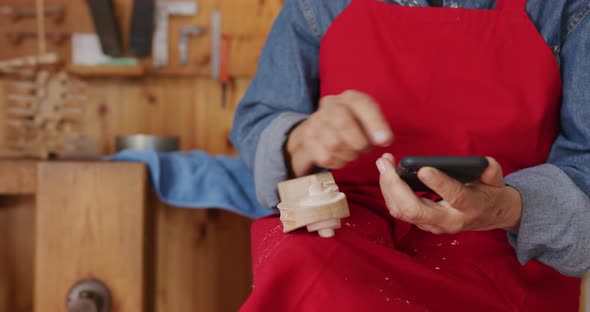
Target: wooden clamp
point(313, 202)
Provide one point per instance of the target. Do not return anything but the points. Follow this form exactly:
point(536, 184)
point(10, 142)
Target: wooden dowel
point(42, 44)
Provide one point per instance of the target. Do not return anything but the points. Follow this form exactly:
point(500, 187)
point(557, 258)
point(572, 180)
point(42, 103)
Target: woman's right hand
point(344, 127)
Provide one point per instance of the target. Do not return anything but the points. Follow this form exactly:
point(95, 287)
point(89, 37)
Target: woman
point(347, 84)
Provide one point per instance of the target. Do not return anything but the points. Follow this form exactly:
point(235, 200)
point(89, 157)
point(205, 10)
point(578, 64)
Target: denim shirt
point(555, 225)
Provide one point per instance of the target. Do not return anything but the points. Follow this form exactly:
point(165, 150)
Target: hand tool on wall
point(105, 22)
point(219, 55)
point(54, 11)
point(224, 78)
point(215, 44)
point(183, 43)
point(160, 41)
point(142, 27)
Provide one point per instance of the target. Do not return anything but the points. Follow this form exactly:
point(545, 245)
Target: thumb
point(493, 174)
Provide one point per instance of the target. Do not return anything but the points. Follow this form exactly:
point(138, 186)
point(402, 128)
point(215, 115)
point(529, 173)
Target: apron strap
point(511, 5)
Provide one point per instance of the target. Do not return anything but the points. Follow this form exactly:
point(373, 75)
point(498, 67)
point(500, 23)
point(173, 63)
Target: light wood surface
point(199, 259)
point(40, 17)
point(193, 272)
point(297, 188)
point(247, 22)
point(17, 237)
point(203, 260)
point(18, 177)
point(90, 224)
point(294, 218)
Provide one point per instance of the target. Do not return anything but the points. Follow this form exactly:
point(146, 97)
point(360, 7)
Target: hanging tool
point(55, 11)
point(219, 55)
point(160, 41)
point(107, 28)
point(224, 75)
point(215, 44)
point(185, 33)
point(142, 27)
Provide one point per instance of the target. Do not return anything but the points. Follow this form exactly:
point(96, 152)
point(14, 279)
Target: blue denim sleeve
point(555, 225)
point(283, 93)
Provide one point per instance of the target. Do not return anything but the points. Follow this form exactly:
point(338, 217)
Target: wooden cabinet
point(68, 221)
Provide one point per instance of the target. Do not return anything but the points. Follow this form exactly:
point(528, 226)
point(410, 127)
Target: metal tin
point(148, 142)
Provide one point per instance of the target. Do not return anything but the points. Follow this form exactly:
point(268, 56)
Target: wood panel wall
point(201, 260)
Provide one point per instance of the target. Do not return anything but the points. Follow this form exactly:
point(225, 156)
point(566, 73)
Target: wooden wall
point(202, 258)
point(171, 101)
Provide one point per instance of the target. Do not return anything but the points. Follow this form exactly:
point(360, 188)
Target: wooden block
point(312, 201)
point(203, 260)
point(297, 188)
point(298, 217)
point(18, 177)
point(17, 242)
point(91, 221)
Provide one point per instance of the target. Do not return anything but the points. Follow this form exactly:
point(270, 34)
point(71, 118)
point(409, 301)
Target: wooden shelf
point(106, 71)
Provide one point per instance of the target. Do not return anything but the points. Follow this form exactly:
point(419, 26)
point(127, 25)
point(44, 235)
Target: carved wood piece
point(28, 61)
point(45, 116)
point(313, 202)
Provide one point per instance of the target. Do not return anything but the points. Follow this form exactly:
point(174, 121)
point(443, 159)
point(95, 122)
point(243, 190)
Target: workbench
point(61, 222)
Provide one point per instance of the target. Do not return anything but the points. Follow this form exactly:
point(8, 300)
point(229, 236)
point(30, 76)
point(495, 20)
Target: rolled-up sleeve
point(555, 225)
point(283, 93)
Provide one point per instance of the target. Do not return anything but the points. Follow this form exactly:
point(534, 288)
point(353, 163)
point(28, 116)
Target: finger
point(448, 188)
point(493, 174)
point(387, 183)
point(367, 112)
point(403, 203)
point(430, 228)
point(355, 139)
point(324, 145)
point(449, 220)
point(334, 144)
point(341, 119)
point(390, 157)
point(325, 159)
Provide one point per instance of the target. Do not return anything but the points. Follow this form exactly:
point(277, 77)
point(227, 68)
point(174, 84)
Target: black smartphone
point(463, 169)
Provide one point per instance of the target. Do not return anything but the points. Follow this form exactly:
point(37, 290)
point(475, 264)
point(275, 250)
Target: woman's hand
point(483, 205)
point(344, 127)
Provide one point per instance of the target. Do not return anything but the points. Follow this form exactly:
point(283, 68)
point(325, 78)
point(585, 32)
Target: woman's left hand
point(482, 205)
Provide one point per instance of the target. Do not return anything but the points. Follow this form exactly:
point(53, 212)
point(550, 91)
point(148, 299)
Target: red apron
point(450, 82)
